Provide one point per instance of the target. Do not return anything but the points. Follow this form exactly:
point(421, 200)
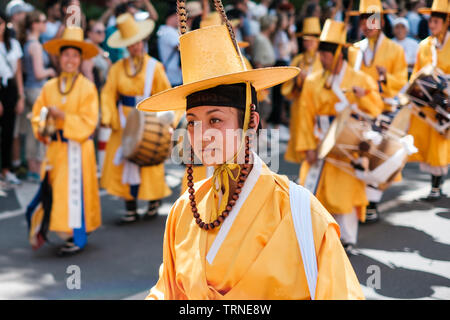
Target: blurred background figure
point(409, 45)
point(16, 10)
point(12, 97)
point(53, 11)
point(37, 70)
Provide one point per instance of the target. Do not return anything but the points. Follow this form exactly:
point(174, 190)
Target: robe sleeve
point(79, 124)
point(396, 79)
point(166, 288)
point(336, 278)
point(306, 140)
point(109, 97)
point(37, 106)
point(371, 103)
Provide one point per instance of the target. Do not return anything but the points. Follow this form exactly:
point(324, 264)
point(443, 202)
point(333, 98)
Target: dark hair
point(441, 15)
point(70, 47)
point(7, 34)
point(120, 9)
point(25, 25)
point(50, 4)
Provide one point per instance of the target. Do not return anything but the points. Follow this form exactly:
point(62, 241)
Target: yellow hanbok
point(339, 191)
point(119, 87)
point(434, 148)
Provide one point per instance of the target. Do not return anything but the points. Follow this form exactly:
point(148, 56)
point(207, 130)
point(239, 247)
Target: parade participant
point(68, 201)
point(342, 194)
point(233, 236)
point(309, 62)
point(128, 81)
point(434, 148)
point(383, 60)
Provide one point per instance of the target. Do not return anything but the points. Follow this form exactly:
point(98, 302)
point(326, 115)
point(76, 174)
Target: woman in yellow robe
point(338, 190)
point(69, 166)
point(308, 62)
point(434, 147)
point(233, 236)
point(124, 87)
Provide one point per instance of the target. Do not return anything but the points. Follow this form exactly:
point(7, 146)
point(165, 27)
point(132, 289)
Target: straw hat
point(440, 6)
point(130, 31)
point(72, 37)
point(371, 6)
point(311, 28)
point(208, 59)
point(334, 32)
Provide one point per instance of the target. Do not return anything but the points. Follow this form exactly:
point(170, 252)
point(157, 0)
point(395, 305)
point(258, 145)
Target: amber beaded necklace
point(138, 68)
point(242, 177)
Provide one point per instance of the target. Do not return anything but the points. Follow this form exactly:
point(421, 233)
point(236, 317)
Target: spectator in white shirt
point(410, 45)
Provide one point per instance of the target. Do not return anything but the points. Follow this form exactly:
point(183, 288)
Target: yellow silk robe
point(339, 191)
point(391, 56)
point(291, 92)
point(434, 148)
point(259, 258)
point(81, 117)
point(118, 83)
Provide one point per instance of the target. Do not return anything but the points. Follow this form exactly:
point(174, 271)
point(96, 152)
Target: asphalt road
point(406, 255)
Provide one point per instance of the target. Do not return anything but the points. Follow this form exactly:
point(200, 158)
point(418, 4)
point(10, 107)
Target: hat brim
point(354, 13)
point(429, 11)
point(307, 35)
point(175, 98)
point(146, 27)
point(88, 50)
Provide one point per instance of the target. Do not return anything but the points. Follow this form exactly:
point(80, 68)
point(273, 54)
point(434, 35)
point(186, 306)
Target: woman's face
point(97, 34)
point(214, 133)
point(42, 23)
point(136, 49)
point(70, 60)
point(436, 25)
point(311, 45)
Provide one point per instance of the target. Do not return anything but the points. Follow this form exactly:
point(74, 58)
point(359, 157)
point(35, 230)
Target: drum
point(146, 139)
point(430, 88)
point(376, 156)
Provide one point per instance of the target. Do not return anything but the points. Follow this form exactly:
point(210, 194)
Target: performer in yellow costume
point(434, 148)
point(125, 86)
point(309, 62)
point(68, 201)
point(383, 60)
point(338, 190)
point(234, 236)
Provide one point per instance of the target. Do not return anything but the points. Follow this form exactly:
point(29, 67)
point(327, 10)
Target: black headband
point(69, 47)
point(328, 46)
point(441, 15)
point(230, 95)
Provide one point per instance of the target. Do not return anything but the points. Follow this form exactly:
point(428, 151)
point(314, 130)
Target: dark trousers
point(278, 100)
point(8, 98)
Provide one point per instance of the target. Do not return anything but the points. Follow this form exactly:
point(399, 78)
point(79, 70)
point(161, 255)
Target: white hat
point(17, 6)
point(401, 20)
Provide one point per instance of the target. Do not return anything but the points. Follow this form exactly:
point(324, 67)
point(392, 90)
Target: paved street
point(408, 250)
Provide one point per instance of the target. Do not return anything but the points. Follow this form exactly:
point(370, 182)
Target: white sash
point(365, 53)
point(75, 186)
point(300, 201)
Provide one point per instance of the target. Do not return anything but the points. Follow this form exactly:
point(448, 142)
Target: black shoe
point(128, 219)
point(372, 216)
point(434, 195)
point(152, 211)
point(68, 249)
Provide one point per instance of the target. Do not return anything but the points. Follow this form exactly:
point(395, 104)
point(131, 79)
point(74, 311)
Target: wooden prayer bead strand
point(242, 177)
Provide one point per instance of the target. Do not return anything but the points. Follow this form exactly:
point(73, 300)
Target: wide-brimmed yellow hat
point(334, 32)
point(440, 6)
point(72, 37)
point(208, 59)
point(311, 28)
point(130, 31)
point(371, 6)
